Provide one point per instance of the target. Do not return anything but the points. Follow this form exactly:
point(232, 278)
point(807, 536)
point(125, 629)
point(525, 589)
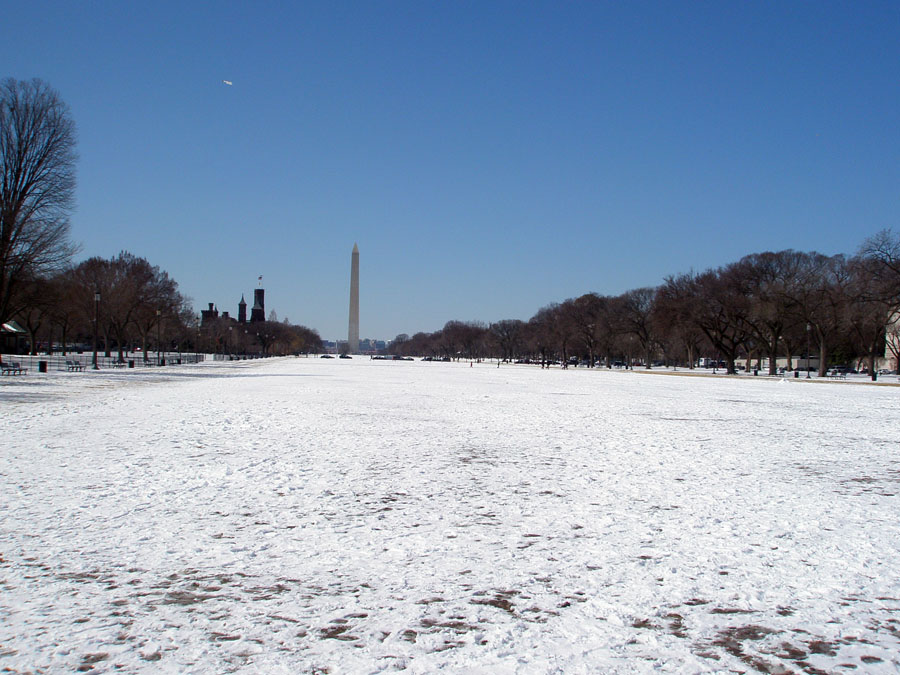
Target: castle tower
point(242, 310)
point(353, 332)
point(208, 315)
point(258, 313)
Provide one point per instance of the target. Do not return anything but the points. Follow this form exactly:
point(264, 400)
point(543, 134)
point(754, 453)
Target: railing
point(236, 357)
point(58, 361)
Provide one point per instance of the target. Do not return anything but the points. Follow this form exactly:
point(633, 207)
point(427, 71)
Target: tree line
point(839, 309)
point(136, 306)
point(268, 338)
point(125, 302)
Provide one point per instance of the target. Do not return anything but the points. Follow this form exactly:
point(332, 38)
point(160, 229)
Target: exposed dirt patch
point(185, 598)
point(730, 610)
point(452, 624)
point(499, 599)
point(337, 632)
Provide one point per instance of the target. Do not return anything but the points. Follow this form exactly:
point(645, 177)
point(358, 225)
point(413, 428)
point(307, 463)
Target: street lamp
point(158, 322)
point(807, 350)
point(230, 328)
point(96, 327)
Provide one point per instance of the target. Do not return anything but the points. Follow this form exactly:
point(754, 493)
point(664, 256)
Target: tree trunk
point(729, 365)
point(823, 361)
point(119, 343)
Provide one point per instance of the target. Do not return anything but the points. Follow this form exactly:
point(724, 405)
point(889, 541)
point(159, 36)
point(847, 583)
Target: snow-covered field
point(307, 515)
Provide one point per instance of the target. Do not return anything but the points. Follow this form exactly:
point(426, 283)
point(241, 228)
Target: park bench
point(72, 365)
point(14, 368)
point(836, 375)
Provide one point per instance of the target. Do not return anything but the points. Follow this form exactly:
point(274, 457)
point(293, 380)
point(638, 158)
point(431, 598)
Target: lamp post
point(230, 329)
point(158, 322)
point(96, 327)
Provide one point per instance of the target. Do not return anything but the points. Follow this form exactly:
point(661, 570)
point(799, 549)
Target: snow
point(362, 516)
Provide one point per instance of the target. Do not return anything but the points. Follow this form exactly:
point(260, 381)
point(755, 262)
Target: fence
point(236, 357)
point(57, 361)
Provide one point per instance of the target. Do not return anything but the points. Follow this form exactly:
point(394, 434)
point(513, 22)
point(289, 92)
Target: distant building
point(12, 338)
point(892, 343)
point(208, 315)
point(242, 310)
point(257, 313)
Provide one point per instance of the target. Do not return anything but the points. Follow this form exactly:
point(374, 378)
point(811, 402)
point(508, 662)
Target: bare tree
point(38, 302)
point(584, 314)
point(884, 249)
point(715, 303)
point(562, 328)
point(637, 311)
point(158, 302)
point(135, 297)
point(772, 283)
point(64, 313)
point(89, 278)
point(679, 334)
point(869, 310)
point(541, 335)
point(475, 339)
point(818, 299)
point(37, 185)
point(508, 336)
point(304, 340)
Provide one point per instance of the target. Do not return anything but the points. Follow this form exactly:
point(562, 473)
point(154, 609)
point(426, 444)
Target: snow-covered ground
point(307, 515)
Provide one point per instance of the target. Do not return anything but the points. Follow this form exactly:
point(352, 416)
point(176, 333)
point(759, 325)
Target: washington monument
point(353, 333)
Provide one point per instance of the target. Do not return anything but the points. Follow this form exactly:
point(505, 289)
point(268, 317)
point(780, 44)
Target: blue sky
point(488, 157)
